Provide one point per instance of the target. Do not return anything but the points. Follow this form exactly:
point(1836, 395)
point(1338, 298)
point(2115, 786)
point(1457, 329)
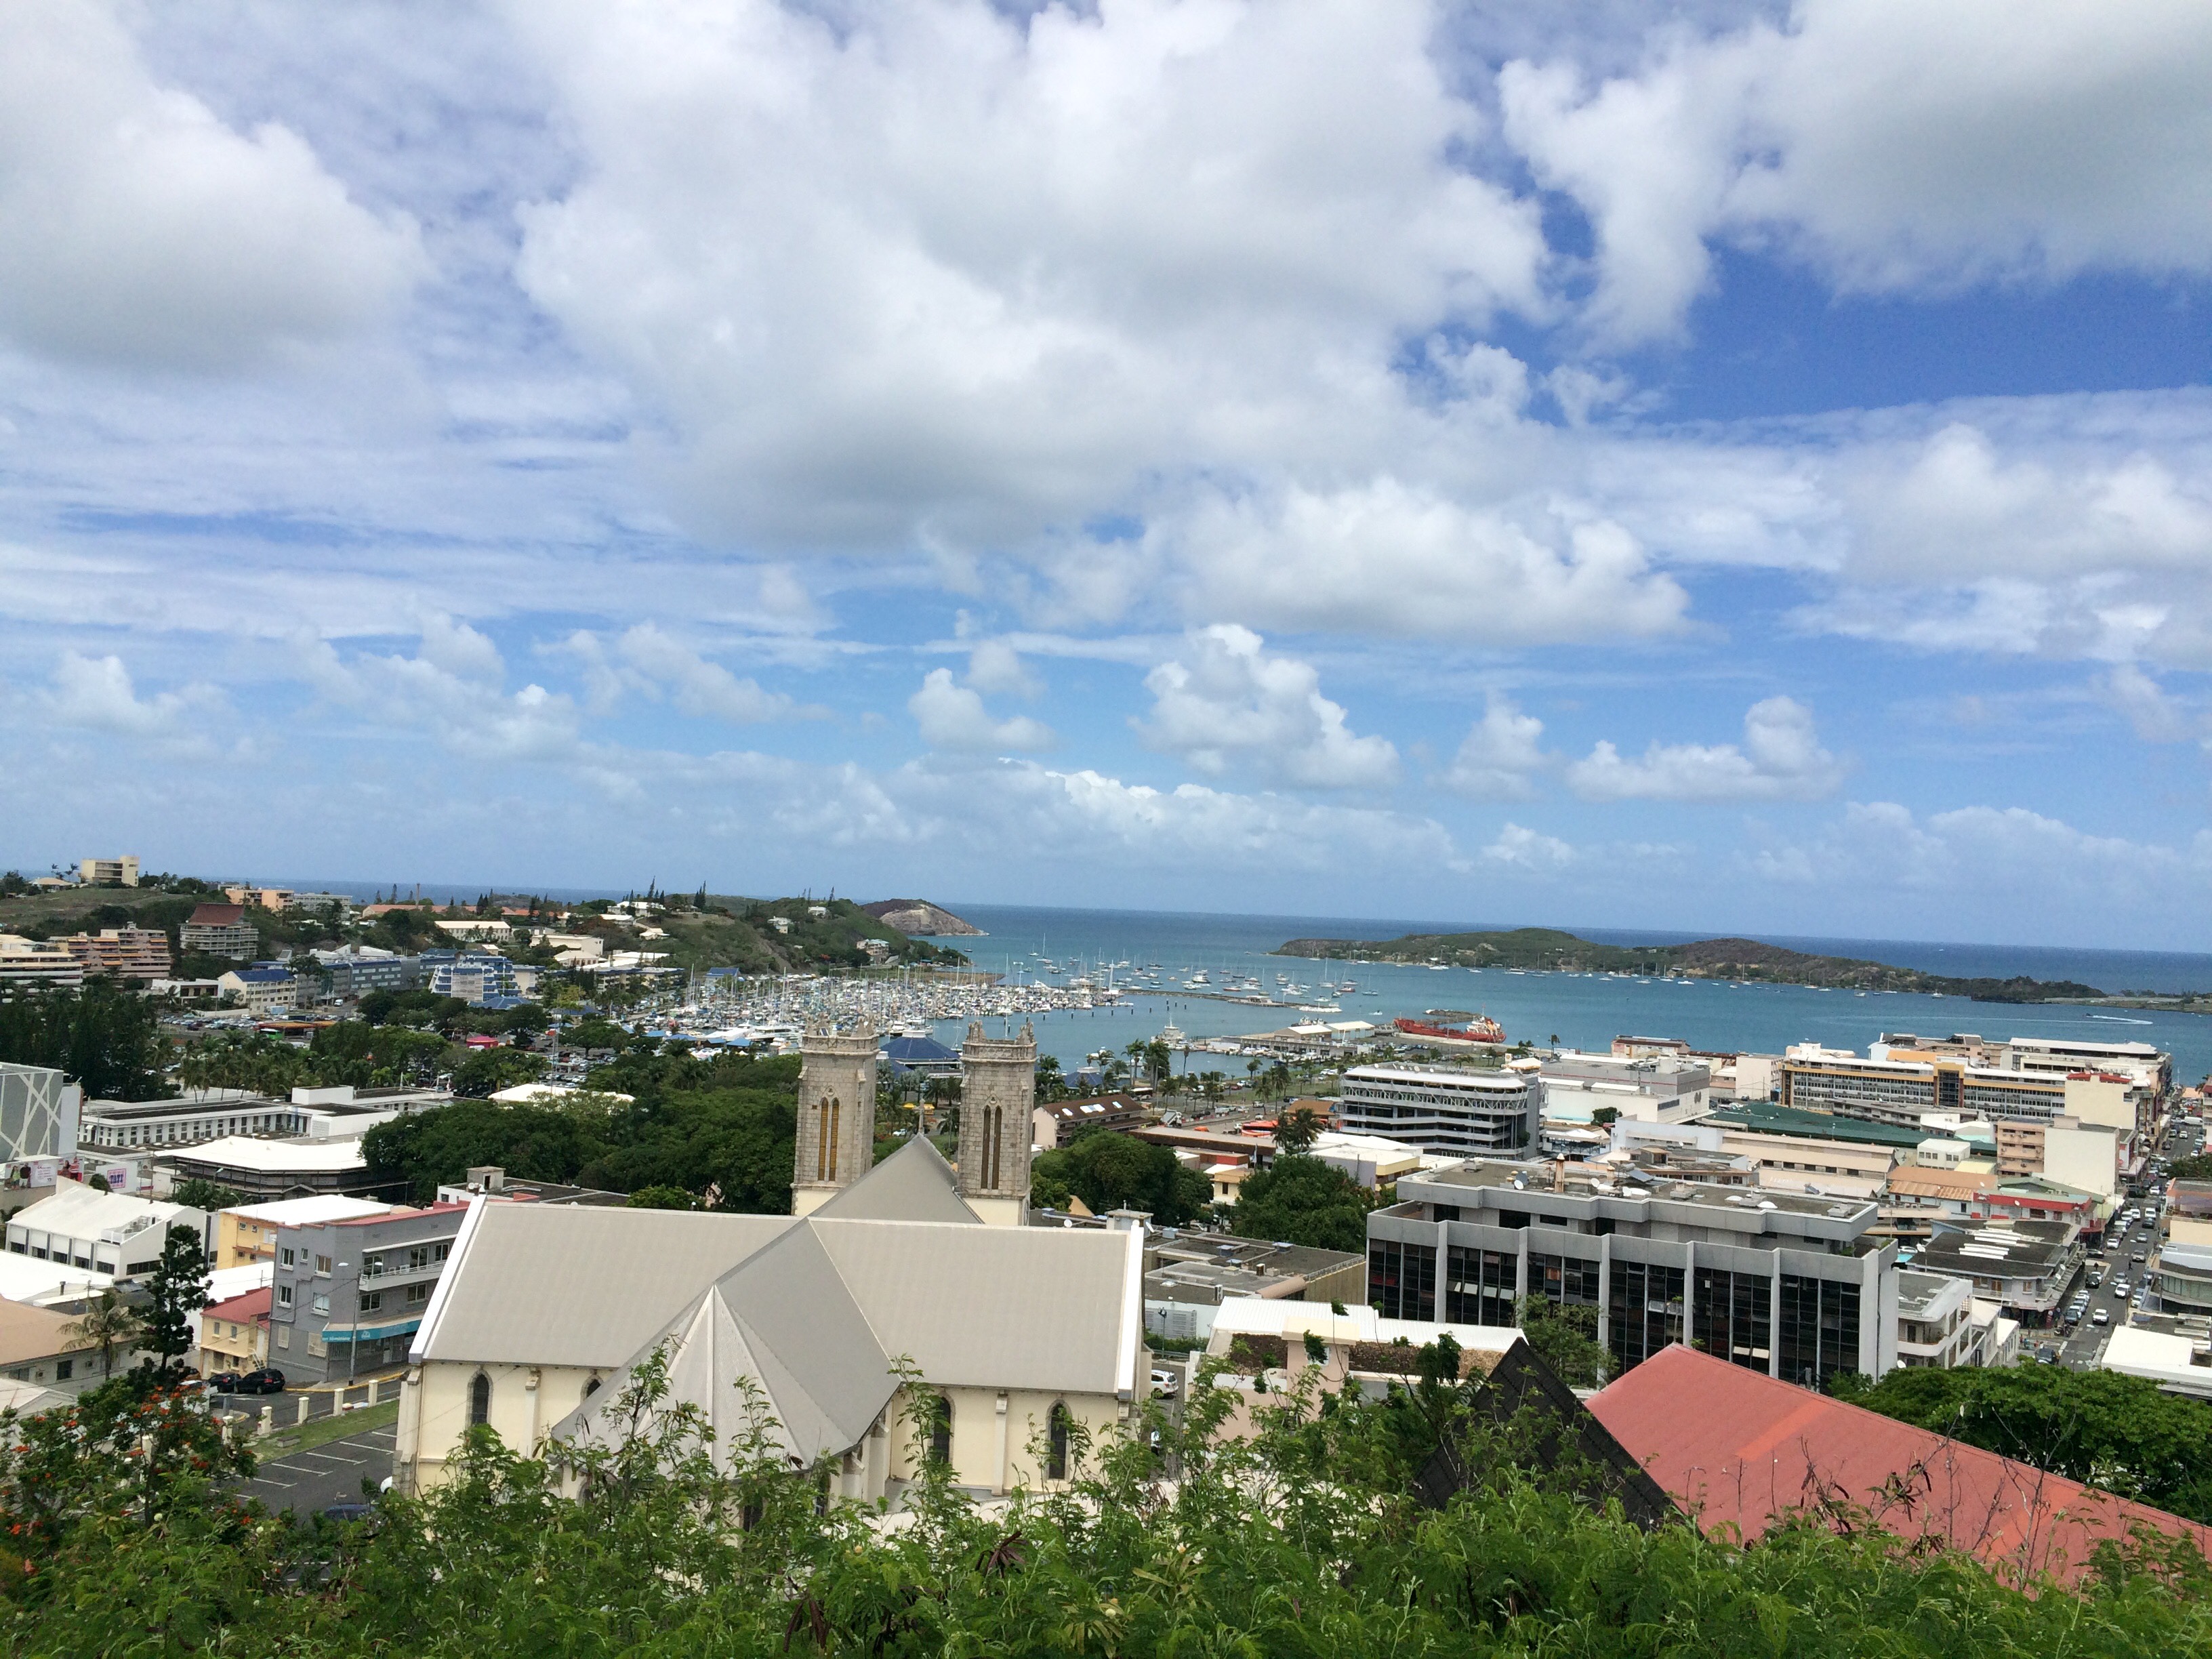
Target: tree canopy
point(1312, 1540)
point(2119, 1433)
point(1299, 1199)
point(1111, 1171)
point(106, 1038)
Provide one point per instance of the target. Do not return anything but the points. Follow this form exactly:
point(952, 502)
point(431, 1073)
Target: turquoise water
point(1583, 1011)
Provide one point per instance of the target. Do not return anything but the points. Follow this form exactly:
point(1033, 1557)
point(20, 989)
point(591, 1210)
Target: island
point(920, 918)
point(1551, 950)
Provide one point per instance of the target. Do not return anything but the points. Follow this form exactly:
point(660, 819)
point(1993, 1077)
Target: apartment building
point(108, 873)
point(1443, 1110)
point(1942, 1323)
point(37, 964)
point(1794, 1287)
point(140, 953)
point(1060, 1121)
point(473, 978)
point(357, 970)
point(1903, 1091)
point(262, 990)
point(2180, 1273)
point(2086, 1156)
point(349, 1294)
point(219, 930)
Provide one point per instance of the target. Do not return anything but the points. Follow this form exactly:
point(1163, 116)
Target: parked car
point(2102, 1317)
point(223, 1383)
point(1164, 1382)
point(267, 1380)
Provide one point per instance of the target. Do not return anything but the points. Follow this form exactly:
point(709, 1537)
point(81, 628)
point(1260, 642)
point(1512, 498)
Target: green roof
point(1770, 1119)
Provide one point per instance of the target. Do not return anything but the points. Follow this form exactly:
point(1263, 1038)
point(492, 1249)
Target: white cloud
point(1501, 754)
point(1526, 849)
point(953, 717)
point(96, 694)
point(135, 226)
point(1973, 853)
point(2156, 715)
point(470, 718)
point(995, 666)
point(1892, 146)
point(1225, 700)
point(1780, 759)
point(700, 688)
point(967, 273)
point(1393, 558)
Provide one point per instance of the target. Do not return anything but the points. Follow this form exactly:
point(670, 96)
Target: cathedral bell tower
point(837, 1115)
point(998, 1101)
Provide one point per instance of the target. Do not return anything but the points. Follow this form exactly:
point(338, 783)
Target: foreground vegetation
point(1308, 1541)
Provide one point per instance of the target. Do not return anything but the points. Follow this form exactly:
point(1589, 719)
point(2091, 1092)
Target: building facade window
point(284, 1296)
point(1646, 1311)
point(940, 1429)
point(1819, 1333)
point(1564, 1281)
point(1401, 1278)
point(480, 1399)
point(1056, 1466)
point(371, 1301)
point(1478, 1287)
point(1732, 1318)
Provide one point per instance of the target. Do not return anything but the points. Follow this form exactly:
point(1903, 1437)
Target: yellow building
point(234, 1334)
point(248, 1233)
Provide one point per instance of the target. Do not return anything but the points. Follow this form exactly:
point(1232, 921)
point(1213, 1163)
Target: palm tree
point(110, 1322)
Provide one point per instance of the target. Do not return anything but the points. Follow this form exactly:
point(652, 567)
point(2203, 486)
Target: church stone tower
point(837, 1115)
point(998, 1099)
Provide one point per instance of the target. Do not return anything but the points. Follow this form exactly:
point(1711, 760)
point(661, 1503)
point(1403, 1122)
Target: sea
point(1575, 1010)
point(1581, 1011)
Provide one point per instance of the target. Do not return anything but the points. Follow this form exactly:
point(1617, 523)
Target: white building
point(338, 1112)
point(38, 963)
point(106, 1232)
point(1016, 1335)
point(1653, 1088)
point(262, 990)
point(1441, 1109)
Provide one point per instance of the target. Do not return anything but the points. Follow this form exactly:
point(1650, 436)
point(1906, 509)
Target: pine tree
point(178, 1286)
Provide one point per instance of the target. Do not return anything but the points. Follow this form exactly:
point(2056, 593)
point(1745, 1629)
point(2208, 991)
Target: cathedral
point(837, 1114)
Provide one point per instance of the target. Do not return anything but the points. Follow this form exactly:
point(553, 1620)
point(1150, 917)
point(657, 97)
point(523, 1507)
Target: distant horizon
point(1597, 933)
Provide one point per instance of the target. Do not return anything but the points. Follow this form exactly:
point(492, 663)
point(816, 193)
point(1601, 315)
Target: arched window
point(480, 1399)
point(1057, 1425)
point(940, 1429)
point(591, 1388)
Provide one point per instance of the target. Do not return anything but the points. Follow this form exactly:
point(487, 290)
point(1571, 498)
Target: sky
point(1728, 468)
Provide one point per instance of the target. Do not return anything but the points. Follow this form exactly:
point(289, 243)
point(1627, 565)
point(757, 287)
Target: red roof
point(217, 915)
point(1733, 1447)
point(254, 1304)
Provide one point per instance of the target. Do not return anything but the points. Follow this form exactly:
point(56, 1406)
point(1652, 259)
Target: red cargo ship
point(1479, 1027)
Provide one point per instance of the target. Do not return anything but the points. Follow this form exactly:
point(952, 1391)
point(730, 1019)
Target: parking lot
point(307, 1482)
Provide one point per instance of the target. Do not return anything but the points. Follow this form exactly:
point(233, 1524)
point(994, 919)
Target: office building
point(357, 970)
point(1442, 1109)
point(108, 873)
point(273, 1169)
point(1903, 1091)
point(2180, 1273)
point(475, 978)
point(1794, 1286)
point(219, 930)
point(2025, 1266)
point(1188, 1278)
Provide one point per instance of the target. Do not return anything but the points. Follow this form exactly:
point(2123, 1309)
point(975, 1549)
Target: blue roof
point(264, 976)
point(916, 1051)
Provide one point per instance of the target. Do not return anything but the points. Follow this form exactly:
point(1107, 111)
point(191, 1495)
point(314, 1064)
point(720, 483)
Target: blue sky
point(1748, 471)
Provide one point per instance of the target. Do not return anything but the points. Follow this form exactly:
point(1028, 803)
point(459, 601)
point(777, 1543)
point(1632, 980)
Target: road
point(2084, 1346)
point(307, 1481)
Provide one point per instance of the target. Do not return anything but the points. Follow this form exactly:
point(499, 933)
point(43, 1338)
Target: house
point(107, 1232)
point(1014, 1333)
point(37, 1346)
point(1060, 1121)
point(234, 1334)
point(247, 1233)
point(1739, 1450)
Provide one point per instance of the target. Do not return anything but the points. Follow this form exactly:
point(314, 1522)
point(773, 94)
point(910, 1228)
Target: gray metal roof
point(915, 1183)
point(573, 1286)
